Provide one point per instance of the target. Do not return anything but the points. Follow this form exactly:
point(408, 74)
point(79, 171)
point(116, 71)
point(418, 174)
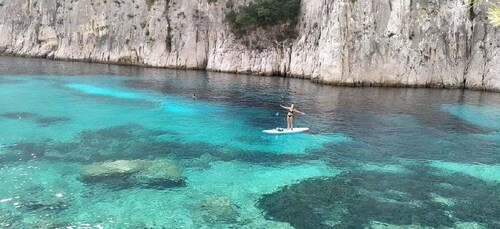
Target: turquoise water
point(102, 146)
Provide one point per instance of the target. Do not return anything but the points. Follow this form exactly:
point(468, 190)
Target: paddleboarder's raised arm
point(300, 112)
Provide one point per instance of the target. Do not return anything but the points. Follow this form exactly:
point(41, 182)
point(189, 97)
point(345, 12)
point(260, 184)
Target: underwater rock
point(468, 225)
point(19, 115)
point(263, 224)
point(42, 205)
point(219, 210)
point(160, 172)
point(24, 151)
point(357, 199)
point(113, 168)
point(47, 223)
point(7, 219)
point(118, 142)
point(151, 173)
point(37, 118)
point(442, 200)
point(126, 141)
point(380, 225)
point(48, 121)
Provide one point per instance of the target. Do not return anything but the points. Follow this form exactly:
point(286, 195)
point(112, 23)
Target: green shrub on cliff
point(494, 15)
point(263, 13)
point(493, 10)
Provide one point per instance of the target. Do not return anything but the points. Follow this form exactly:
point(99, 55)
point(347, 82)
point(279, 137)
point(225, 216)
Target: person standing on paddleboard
point(289, 117)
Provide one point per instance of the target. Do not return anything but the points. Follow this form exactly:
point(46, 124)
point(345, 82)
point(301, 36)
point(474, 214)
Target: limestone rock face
point(374, 42)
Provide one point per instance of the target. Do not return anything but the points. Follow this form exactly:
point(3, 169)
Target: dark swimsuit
point(290, 113)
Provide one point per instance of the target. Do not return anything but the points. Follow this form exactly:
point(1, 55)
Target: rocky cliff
point(437, 43)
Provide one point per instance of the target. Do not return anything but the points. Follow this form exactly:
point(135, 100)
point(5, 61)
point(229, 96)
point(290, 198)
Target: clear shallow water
point(375, 157)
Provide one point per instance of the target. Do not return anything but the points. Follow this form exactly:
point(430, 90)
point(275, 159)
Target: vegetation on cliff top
point(265, 14)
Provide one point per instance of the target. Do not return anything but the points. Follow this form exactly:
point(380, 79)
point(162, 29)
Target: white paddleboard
point(286, 131)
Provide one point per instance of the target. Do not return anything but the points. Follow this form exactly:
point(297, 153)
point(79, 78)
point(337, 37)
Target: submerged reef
point(215, 210)
point(133, 141)
point(125, 173)
point(359, 199)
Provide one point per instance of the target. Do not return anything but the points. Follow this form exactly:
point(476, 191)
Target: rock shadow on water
point(357, 199)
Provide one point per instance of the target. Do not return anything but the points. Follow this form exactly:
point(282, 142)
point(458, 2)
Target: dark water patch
point(115, 133)
point(355, 199)
point(134, 141)
point(19, 115)
point(24, 151)
point(244, 91)
point(356, 108)
point(450, 124)
point(392, 146)
point(49, 121)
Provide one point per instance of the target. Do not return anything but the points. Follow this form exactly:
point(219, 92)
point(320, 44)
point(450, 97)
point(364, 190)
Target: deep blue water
point(93, 145)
